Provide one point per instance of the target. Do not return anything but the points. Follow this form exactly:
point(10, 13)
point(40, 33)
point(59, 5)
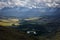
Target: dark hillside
point(12, 34)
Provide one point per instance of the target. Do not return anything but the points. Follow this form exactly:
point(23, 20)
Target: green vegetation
point(14, 34)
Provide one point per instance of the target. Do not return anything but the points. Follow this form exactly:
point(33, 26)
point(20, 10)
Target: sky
point(29, 3)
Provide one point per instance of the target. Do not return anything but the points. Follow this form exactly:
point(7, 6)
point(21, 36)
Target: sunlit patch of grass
point(9, 22)
point(32, 19)
point(5, 24)
point(58, 36)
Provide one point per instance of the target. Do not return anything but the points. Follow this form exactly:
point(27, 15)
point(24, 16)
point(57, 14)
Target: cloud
point(29, 3)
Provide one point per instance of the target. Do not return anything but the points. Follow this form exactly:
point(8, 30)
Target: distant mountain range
point(29, 8)
point(24, 12)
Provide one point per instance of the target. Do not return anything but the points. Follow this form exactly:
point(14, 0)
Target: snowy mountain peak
point(29, 3)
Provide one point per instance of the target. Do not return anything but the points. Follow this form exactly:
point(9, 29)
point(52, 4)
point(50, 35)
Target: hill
point(12, 34)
